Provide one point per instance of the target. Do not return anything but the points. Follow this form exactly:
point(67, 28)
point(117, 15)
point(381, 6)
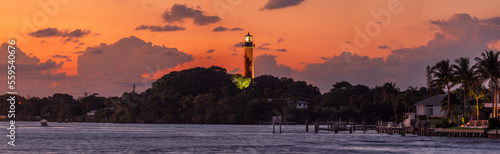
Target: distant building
point(91, 113)
point(301, 104)
point(431, 106)
point(294, 103)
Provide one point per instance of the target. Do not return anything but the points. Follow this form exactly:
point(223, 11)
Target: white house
point(431, 106)
point(91, 113)
point(301, 105)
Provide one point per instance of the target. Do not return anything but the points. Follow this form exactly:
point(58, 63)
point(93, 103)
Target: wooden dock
point(389, 128)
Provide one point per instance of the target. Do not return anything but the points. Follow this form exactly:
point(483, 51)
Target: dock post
point(496, 134)
point(280, 126)
point(364, 127)
point(316, 127)
point(327, 126)
point(273, 127)
point(307, 125)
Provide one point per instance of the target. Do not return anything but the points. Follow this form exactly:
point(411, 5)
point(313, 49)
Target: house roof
point(433, 100)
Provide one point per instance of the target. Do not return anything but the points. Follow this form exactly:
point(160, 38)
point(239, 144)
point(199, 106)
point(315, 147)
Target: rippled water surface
point(161, 138)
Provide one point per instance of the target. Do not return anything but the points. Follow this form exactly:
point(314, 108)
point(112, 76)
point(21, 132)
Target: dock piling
point(307, 125)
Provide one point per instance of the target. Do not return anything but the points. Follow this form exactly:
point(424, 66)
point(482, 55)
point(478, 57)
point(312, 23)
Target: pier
point(398, 129)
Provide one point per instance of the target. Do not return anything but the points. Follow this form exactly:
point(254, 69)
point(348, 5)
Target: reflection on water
point(135, 138)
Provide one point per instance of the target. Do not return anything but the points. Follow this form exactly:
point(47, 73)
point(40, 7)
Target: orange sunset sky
point(76, 46)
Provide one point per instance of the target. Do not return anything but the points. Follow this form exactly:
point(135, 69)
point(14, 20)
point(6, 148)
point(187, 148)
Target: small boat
point(44, 122)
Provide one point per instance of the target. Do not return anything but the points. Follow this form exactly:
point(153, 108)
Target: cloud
point(281, 50)
point(358, 69)
point(234, 71)
point(107, 69)
point(54, 32)
point(113, 69)
point(324, 58)
point(234, 54)
point(223, 29)
point(267, 64)
point(166, 28)
point(210, 51)
point(220, 29)
point(280, 40)
point(459, 36)
point(383, 47)
point(236, 29)
point(277, 4)
point(179, 12)
point(492, 21)
point(60, 56)
point(263, 47)
point(32, 75)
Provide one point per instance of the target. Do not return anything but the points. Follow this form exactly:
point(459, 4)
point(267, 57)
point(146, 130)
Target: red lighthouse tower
point(248, 57)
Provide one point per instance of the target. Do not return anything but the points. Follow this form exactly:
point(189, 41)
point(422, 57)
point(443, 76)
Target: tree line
point(211, 95)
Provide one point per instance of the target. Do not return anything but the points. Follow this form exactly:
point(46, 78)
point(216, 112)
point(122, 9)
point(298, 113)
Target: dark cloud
point(208, 57)
point(60, 56)
point(234, 71)
point(234, 54)
point(220, 29)
point(263, 47)
point(281, 50)
point(324, 58)
point(277, 4)
point(459, 36)
point(236, 29)
point(238, 45)
point(432, 28)
point(210, 50)
point(32, 75)
point(69, 60)
point(166, 28)
point(54, 32)
point(280, 40)
point(78, 52)
point(81, 43)
point(493, 21)
point(125, 61)
point(96, 51)
point(178, 12)
point(267, 64)
point(383, 47)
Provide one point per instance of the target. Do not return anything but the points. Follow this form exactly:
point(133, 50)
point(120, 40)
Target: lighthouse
point(248, 56)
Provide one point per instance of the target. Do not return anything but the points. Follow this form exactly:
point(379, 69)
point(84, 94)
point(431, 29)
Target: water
point(162, 138)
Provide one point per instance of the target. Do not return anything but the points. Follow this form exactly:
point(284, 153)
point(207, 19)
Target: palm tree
point(478, 91)
point(488, 69)
point(444, 77)
point(428, 75)
point(409, 97)
point(389, 94)
point(464, 75)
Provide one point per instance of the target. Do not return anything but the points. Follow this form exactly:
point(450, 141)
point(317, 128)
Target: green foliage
point(241, 82)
